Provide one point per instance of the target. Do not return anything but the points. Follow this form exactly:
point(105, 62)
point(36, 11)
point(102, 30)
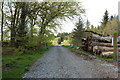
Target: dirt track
point(60, 62)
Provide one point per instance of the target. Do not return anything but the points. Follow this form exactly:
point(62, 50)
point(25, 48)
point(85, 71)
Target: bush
point(21, 50)
point(32, 42)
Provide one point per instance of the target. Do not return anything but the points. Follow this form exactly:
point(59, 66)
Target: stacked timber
point(101, 38)
point(100, 45)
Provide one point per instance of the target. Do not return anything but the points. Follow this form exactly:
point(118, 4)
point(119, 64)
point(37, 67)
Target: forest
point(27, 28)
point(30, 25)
point(28, 31)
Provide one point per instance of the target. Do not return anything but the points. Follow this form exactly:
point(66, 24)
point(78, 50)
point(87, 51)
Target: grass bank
point(14, 66)
point(80, 51)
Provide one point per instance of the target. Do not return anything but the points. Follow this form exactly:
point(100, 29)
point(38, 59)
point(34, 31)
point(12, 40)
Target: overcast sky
point(94, 12)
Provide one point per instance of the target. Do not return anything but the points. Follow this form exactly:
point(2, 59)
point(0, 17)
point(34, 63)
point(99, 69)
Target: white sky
point(94, 12)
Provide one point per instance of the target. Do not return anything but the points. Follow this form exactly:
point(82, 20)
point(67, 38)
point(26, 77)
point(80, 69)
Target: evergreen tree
point(92, 26)
point(111, 17)
point(104, 22)
point(87, 24)
point(78, 33)
point(105, 18)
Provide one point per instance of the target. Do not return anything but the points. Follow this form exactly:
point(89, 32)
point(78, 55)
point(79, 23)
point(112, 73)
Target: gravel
point(60, 62)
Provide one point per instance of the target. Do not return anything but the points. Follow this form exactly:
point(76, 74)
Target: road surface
point(60, 62)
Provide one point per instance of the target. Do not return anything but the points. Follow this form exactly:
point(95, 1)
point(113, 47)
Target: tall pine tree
point(78, 33)
point(87, 25)
point(105, 18)
point(104, 22)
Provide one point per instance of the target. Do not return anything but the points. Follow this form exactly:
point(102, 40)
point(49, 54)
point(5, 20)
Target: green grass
point(79, 51)
point(105, 58)
point(18, 64)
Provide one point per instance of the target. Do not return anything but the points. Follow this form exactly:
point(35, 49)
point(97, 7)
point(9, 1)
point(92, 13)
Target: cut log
point(101, 39)
point(102, 48)
point(107, 53)
point(118, 45)
point(101, 44)
point(93, 32)
point(84, 39)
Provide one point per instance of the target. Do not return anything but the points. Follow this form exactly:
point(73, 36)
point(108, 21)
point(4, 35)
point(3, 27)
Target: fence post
point(115, 45)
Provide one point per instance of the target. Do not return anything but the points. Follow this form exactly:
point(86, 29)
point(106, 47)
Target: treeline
point(62, 36)
point(30, 25)
point(108, 26)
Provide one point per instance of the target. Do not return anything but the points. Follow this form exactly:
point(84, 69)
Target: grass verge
point(14, 66)
point(79, 51)
point(105, 58)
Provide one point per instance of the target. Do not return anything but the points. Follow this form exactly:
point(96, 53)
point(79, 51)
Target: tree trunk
point(13, 28)
point(13, 34)
point(21, 30)
point(2, 23)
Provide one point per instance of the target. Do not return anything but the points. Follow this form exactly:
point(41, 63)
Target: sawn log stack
point(98, 44)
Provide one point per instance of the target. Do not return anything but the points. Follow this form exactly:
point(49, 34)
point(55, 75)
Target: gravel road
point(60, 62)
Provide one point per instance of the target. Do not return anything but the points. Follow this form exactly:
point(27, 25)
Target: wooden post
point(115, 45)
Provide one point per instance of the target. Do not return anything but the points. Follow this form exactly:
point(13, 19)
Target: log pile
point(99, 45)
